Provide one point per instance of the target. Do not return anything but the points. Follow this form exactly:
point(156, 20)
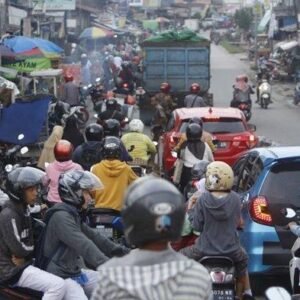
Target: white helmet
point(136, 125)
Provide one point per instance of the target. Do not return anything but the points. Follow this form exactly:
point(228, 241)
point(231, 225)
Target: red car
point(232, 135)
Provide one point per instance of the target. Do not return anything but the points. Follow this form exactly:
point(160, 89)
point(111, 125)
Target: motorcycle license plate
point(226, 294)
point(108, 232)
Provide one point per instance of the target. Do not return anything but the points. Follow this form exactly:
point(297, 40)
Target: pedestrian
point(72, 132)
point(70, 91)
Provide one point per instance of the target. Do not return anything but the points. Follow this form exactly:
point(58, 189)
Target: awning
point(288, 45)
point(262, 27)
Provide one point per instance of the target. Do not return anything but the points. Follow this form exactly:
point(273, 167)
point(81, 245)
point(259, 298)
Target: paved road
point(280, 122)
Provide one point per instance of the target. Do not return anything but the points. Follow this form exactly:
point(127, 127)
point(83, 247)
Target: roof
point(276, 153)
point(209, 112)
point(47, 73)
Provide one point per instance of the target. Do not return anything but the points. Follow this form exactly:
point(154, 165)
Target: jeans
point(75, 291)
point(52, 286)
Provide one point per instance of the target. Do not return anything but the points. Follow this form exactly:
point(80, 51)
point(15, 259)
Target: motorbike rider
point(193, 99)
point(159, 120)
point(206, 136)
point(164, 98)
point(63, 151)
point(112, 128)
point(16, 237)
point(153, 215)
point(68, 240)
point(126, 75)
point(143, 146)
point(89, 153)
point(71, 93)
point(241, 86)
point(216, 214)
point(115, 175)
point(192, 151)
point(112, 112)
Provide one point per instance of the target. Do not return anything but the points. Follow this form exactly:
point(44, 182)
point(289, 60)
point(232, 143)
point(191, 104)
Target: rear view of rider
point(115, 175)
point(89, 153)
point(153, 215)
point(68, 240)
point(241, 87)
point(112, 112)
point(143, 146)
point(217, 215)
point(63, 151)
point(16, 237)
point(71, 94)
point(112, 128)
point(193, 99)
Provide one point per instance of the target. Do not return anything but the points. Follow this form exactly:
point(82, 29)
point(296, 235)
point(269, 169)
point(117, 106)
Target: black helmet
point(72, 183)
point(194, 132)
point(199, 169)
point(111, 148)
point(20, 179)
point(196, 120)
point(111, 104)
point(153, 211)
point(94, 132)
point(111, 127)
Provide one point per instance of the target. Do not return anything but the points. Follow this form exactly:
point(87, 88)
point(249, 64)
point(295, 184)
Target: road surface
point(280, 122)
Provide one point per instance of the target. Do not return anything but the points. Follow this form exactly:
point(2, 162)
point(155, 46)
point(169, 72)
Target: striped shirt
point(182, 279)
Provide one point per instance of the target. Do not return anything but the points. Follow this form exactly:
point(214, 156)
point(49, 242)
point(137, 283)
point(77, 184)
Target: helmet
point(112, 148)
point(111, 104)
point(162, 209)
point(63, 150)
point(68, 77)
point(94, 132)
point(20, 179)
point(136, 125)
point(199, 169)
point(125, 64)
point(72, 183)
point(195, 88)
point(165, 87)
point(83, 55)
point(111, 128)
point(196, 120)
point(194, 132)
point(219, 177)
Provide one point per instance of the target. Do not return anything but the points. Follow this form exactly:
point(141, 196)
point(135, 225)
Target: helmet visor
point(90, 182)
point(26, 176)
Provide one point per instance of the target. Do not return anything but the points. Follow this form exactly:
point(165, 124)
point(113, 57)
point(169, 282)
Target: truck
point(179, 63)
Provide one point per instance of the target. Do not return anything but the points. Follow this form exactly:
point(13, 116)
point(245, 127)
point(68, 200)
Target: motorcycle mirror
point(95, 116)
point(90, 85)
point(24, 150)
point(21, 137)
point(98, 80)
point(278, 293)
point(8, 168)
point(174, 154)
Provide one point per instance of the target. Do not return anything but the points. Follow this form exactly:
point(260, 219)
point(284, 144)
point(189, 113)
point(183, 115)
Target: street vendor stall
point(47, 81)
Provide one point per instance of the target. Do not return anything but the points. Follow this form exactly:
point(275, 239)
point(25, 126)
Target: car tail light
point(248, 141)
point(259, 211)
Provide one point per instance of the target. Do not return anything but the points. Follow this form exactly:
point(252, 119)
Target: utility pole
point(256, 11)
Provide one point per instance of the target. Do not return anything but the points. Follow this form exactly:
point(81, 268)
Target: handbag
point(178, 171)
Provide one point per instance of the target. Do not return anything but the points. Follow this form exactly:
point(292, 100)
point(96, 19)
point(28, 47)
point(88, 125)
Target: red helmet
point(69, 77)
point(63, 150)
point(165, 87)
point(195, 88)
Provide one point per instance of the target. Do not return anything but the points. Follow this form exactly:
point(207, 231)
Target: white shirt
point(189, 159)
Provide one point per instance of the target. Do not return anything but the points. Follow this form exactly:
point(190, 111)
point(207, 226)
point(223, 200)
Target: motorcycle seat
point(212, 262)
point(100, 210)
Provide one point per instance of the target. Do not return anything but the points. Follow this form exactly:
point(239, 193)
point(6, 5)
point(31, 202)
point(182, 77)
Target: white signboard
point(15, 15)
point(55, 5)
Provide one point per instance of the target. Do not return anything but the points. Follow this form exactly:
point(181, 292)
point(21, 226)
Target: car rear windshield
point(282, 183)
point(220, 125)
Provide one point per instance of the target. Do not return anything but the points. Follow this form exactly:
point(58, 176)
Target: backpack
point(90, 156)
point(41, 261)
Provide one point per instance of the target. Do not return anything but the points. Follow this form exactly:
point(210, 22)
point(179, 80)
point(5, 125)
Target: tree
point(243, 18)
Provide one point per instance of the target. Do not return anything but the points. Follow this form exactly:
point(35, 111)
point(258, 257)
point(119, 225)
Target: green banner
point(30, 64)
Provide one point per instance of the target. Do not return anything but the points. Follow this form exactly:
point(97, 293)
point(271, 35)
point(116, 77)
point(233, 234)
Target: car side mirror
point(252, 127)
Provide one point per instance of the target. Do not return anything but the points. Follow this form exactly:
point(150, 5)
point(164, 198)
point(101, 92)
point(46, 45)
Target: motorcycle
point(222, 273)
point(107, 221)
point(241, 101)
point(264, 94)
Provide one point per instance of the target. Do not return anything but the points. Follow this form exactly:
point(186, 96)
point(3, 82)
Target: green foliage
point(231, 48)
point(243, 18)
